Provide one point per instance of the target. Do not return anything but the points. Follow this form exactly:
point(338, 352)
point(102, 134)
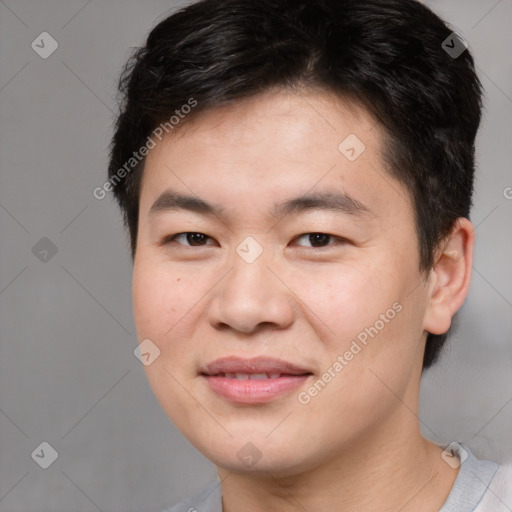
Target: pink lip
point(253, 365)
point(253, 391)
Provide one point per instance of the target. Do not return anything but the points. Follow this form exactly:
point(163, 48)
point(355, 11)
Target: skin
point(357, 444)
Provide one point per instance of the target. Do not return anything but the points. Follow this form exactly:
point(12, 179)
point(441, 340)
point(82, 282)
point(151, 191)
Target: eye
point(195, 239)
point(320, 239)
point(191, 238)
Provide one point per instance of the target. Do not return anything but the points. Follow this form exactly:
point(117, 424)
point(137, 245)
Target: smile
point(253, 381)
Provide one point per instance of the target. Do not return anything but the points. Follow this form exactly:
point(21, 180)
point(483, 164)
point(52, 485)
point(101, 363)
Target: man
point(296, 178)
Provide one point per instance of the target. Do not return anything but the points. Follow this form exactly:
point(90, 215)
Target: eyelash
point(171, 239)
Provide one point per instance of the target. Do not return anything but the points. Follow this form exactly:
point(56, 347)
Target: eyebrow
point(338, 202)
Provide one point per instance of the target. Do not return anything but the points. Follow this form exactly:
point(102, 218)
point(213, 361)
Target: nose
point(252, 295)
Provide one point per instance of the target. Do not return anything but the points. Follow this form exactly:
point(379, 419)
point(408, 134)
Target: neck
point(389, 470)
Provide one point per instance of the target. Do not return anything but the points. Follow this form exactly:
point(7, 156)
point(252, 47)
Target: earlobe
point(450, 277)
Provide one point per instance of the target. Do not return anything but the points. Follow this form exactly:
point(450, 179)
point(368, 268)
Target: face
point(276, 271)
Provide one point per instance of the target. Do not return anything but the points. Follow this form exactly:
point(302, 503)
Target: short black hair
point(391, 57)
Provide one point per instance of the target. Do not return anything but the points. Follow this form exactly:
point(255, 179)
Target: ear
point(449, 277)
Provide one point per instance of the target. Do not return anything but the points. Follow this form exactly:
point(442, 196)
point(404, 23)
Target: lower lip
point(257, 391)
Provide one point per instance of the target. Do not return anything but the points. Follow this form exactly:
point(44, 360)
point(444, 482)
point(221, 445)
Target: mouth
point(253, 381)
point(250, 376)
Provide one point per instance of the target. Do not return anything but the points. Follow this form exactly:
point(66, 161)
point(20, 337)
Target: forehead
point(269, 148)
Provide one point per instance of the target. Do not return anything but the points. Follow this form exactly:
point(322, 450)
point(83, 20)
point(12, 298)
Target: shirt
point(480, 486)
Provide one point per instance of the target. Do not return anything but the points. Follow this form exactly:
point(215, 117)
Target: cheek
point(347, 299)
point(366, 314)
point(158, 298)
point(166, 305)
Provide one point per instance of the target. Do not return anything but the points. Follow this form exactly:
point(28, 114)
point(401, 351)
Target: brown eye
point(318, 239)
point(190, 238)
point(195, 238)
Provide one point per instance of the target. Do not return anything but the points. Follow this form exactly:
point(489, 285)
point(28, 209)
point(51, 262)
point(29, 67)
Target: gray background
point(68, 375)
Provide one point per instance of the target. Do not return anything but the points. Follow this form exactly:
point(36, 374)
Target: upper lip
point(253, 365)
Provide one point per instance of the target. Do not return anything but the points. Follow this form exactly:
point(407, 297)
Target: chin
point(259, 457)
